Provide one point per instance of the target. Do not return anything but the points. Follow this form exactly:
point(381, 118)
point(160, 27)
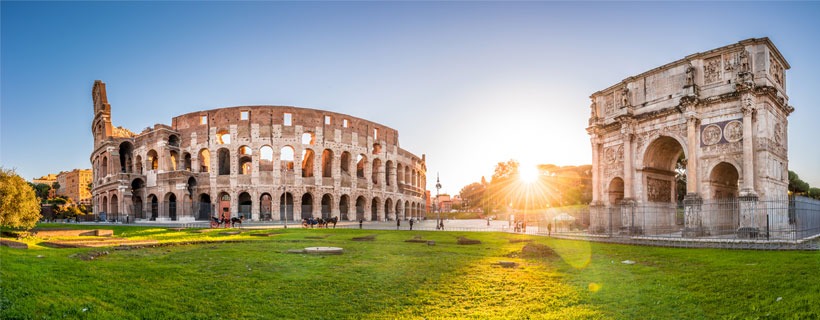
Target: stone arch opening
point(327, 206)
point(245, 160)
point(724, 181)
point(265, 207)
point(344, 164)
point(361, 161)
point(360, 204)
point(204, 160)
point(138, 165)
point(265, 159)
point(126, 153)
point(375, 203)
point(616, 190)
point(223, 137)
point(286, 157)
point(388, 206)
point(104, 167)
point(186, 161)
point(307, 163)
point(171, 205)
point(204, 207)
point(375, 172)
point(224, 160)
point(327, 163)
point(307, 205)
point(190, 186)
point(114, 208)
point(659, 162)
point(407, 213)
point(224, 205)
point(173, 160)
point(286, 207)
point(399, 214)
point(344, 207)
point(173, 140)
point(153, 159)
point(245, 204)
point(388, 170)
point(308, 138)
point(154, 207)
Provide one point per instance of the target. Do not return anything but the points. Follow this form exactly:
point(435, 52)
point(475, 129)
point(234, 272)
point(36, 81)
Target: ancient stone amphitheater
point(268, 163)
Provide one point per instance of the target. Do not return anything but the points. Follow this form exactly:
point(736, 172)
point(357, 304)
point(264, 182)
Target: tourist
point(411, 224)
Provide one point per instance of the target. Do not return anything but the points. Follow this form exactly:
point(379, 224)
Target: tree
point(19, 206)
point(814, 193)
point(41, 190)
point(796, 185)
point(473, 195)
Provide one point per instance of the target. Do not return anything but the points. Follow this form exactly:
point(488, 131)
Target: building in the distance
point(48, 179)
point(259, 162)
point(74, 184)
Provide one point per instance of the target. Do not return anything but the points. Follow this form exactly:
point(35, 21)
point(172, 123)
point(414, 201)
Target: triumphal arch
point(720, 118)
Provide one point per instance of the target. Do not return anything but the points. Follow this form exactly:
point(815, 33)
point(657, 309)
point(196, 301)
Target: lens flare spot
point(594, 287)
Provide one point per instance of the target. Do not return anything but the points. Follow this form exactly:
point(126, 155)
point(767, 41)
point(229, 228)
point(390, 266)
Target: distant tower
point(101, 127)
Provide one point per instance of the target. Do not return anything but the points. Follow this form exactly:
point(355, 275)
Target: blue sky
point(469, 84)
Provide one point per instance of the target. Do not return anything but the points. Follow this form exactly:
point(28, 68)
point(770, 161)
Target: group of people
point(520, 226)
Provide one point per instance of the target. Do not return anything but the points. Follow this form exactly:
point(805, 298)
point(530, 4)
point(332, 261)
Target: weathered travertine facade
point(725, 111)
point(243, 160)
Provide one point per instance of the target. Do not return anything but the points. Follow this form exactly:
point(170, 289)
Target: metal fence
point(790, 219)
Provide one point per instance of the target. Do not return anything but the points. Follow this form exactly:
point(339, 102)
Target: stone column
point(692, 122)
point(626, 136)
point(596, 177)
point(748, 147)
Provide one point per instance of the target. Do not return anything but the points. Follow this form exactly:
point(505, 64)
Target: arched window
point(308, 138)
point(153, 159)
point(265, 159)
point(286, 158)
point(204, 160)
point(224, 160)
point(307, 163)
point(327, 163)
point(223, 137)
point(361, 161)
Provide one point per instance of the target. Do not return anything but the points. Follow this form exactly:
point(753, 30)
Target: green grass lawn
point(248, 277)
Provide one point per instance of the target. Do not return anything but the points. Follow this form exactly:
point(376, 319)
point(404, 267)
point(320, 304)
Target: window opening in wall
point(327, 119)
point(377, 148)
point(375, 133)
point(307, 163)
point(173, 159)
point(308, 138)
point(344, 123)
point(204, 160)
point(360, 162)
point(288, 119)
point(203, 119)
point(286, 157)
point(244, 150)
point(224, 160)
point(173, 141)
point(187, 161)
point(223, 137)
point(266, 158)
point(243, 115)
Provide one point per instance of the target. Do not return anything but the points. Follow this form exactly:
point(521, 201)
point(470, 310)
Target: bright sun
point(528, 174)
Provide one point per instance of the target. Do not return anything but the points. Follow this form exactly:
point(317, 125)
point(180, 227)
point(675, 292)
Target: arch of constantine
point(718, 116)
point(260, 162)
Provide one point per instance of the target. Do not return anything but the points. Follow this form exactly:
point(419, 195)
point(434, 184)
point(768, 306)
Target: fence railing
point(740, 218)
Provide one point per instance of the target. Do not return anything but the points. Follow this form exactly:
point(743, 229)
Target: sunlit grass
point(206, 275)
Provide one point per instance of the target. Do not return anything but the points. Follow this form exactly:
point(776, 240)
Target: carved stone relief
point(733, 131)
point(723, 148)
point(775, 70)
point(711, 70)
point(731, 61)
point(721, 132)
point(778, 134)
point(658, 190)
point(711, 134)
point(609, 106)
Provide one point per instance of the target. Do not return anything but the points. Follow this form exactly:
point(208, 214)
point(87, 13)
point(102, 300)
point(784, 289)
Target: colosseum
point(263, 163)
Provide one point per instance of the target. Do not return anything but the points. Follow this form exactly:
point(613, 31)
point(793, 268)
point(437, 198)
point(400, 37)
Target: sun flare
point(528, 173)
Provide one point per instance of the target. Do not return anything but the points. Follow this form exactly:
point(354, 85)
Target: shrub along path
point(212, 275)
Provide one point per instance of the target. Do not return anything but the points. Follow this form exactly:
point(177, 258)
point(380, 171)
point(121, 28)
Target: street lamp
point(438, 210)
